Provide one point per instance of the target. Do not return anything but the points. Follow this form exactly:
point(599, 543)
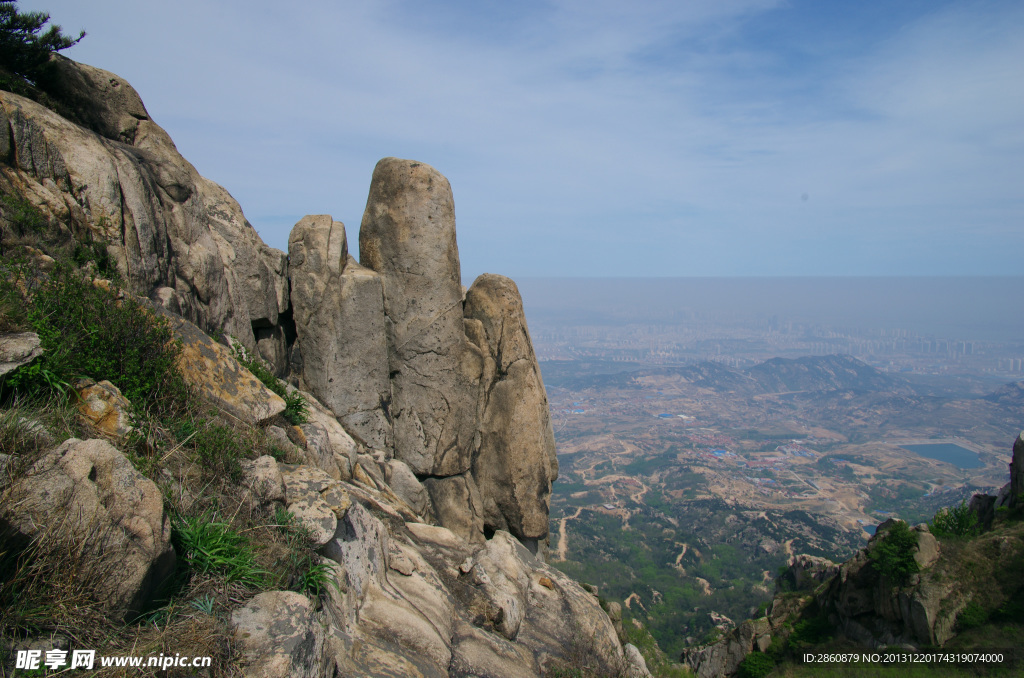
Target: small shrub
point(972, 616)
point(777, 648)
point(204, 604)
point(218, 447)
point(811, 631)
point(1012, 610)
point(24, 217)
point(893, 554)
point(755, 665)
point(313, 579)
point(955, 521)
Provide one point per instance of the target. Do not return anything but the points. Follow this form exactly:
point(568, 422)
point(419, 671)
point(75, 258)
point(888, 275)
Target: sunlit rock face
point(408, 237)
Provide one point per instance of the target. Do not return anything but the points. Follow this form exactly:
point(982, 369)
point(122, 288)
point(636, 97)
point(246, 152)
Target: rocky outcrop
point(448, 387)
point(103, 409)
point(17, 349)
point(854, 598)
point(408, 237)
point(804, 572)
point(875, 611)
point(110, 516)
point(212, 370)
point(175, 236)
point(723, 657)
point(515, 463)
point(280, 635)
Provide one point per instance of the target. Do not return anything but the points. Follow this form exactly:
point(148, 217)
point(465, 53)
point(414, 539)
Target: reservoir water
point(948, 452)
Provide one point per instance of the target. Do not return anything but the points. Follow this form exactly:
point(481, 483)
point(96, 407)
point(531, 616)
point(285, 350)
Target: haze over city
point(750, 138)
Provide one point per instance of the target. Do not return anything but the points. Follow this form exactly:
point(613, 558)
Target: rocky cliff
point(428, 457)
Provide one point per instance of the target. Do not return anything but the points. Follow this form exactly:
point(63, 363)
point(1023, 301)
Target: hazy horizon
point(963, 307)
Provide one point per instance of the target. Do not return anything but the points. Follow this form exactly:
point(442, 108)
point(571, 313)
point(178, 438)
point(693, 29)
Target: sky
point(588, 138)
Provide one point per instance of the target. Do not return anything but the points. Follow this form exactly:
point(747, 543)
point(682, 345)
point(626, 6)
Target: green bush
point(88, 331)
point(972, 616)
point(218, 447)
point(24, 217)
point(755, 665)
point(811, 631)
point(955, 521)
point(893, 554)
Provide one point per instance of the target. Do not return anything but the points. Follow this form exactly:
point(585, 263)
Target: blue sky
point(585, 138)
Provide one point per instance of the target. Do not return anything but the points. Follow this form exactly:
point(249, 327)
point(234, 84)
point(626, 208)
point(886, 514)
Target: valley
point(683, 489)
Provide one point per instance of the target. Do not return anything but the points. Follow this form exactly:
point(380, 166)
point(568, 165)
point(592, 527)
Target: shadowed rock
point(87, 496)
point(1017, 472)
point(516, 461)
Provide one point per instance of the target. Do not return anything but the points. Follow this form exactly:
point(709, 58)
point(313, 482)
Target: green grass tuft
point(213, 547)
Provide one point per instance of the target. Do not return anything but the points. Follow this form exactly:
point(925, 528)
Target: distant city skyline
point(706, 138)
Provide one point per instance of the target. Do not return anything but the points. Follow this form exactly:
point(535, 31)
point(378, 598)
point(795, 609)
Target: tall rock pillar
point(408, 237)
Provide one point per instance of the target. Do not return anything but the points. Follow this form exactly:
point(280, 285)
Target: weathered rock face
point(871, 610)
point(449, 387)
point(858, 602)
point(516, 462)
point(175, 236)
point(806, 572)
point(339, 319)
point(281, 635)
point(418, 400)
point(458, 505)
point(408, 237)
point(107, 509)
point(723, 658)
point(220, 379)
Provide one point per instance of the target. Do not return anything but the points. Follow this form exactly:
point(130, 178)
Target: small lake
point(947, 452)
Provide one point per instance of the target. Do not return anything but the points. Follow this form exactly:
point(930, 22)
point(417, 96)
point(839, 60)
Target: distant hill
point(1010, 394)
point(823, 373)
point(809, 373)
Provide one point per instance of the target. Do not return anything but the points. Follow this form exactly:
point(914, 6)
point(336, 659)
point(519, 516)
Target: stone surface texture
point(425, 407)
point(102, 409)
point(221, 380)
point(17, 349)
point(339, 319)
